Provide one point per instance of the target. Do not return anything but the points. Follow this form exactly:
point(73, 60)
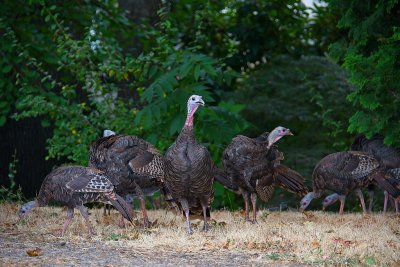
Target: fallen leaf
point(315, 244)
point(34, 252)
point(154, 223)
point(222, 223)
point(226, 244)
point(342, 241)
point(250, 245)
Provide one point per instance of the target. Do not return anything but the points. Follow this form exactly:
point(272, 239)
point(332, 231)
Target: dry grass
point(281, 237)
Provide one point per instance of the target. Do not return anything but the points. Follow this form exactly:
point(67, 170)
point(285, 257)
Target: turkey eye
point(284, 130)
point(193, 98)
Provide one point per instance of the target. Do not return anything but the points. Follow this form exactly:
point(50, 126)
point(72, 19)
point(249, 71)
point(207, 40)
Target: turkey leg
point(361, 197)
point(70, 215)
point(385, 201)
point(342, 199)
point(185, 207)
point(140, 195)
point(205, 226)
point(245, 195)
point(253, 197)
point(85, 215)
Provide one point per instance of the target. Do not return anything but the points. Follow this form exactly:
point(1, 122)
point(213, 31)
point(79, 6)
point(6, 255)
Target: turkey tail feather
point(388, 183)
point(290, 180)
point(223, 178)
point(122, 206)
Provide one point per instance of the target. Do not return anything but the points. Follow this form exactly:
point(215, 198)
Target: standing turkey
point(344, 172)
point(388, 157)
point(132, 164)
point(74, 186)
point(189, 169)
point(252, 166)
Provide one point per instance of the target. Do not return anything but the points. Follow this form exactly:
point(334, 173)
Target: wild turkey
point(388, 157)
point(253, 166)
point(132, 164)
point(344, 172)
point(74, 186)
point(189, 170)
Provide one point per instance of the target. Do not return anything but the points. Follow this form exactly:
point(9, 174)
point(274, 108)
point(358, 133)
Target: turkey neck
point(42, 199)
point(187, 131)
point(45, 194)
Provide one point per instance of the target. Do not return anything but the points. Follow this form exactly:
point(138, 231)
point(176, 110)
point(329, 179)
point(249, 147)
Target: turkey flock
point(123, 167)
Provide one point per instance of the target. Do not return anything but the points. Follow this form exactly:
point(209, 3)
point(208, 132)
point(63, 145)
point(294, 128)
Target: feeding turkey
point(345, 172)
point(74, 186)
point(189, 169)
point(252, 165)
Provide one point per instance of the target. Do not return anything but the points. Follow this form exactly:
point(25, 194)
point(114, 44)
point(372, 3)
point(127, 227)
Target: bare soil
point(279, 238)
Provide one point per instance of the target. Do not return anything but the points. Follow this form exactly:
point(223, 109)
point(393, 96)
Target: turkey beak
point(290, 133)
point(200, 102)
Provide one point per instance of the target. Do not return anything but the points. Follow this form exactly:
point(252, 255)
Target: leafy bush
point(76, 73)
point(371, 54)
point(12, 193)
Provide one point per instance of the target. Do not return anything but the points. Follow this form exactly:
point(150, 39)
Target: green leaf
point(210, 69)
point(176, 124)
point(6, 69)
point(45, 123)
point(197, 70)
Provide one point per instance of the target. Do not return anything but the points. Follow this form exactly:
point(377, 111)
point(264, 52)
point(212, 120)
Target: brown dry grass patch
point(282, 237)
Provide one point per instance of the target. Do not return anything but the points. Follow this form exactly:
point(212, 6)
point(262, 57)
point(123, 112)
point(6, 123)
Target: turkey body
point(189, 170)
point(131, 163)
point(388, 157)
point(253, 166)
point(74, 186)
point(189, 174)
point(344, 172)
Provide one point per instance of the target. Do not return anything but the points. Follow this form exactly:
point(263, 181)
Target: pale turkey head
point(277, 134)
point(329, 200)
point(193, 103)
point(306, 201)
point(26, 208)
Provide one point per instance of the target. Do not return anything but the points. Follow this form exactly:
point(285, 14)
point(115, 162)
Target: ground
point(279, 238)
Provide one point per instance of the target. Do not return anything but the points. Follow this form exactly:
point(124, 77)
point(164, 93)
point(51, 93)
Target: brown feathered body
point(250, 157)
point(388, 158)
point(343, 172)
point(133, 166)
point(128, 161)
point(189, 171)
point(74, 186)
point(255, 169)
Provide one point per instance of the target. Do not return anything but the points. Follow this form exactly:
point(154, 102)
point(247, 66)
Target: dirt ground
point(279, 238)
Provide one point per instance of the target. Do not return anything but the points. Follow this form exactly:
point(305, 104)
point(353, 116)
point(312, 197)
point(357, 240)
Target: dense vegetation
point(83, 66)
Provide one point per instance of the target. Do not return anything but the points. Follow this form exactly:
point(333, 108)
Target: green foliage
point(12, 193)
point(76, 73)
point(371, 54)
point(243, 32)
